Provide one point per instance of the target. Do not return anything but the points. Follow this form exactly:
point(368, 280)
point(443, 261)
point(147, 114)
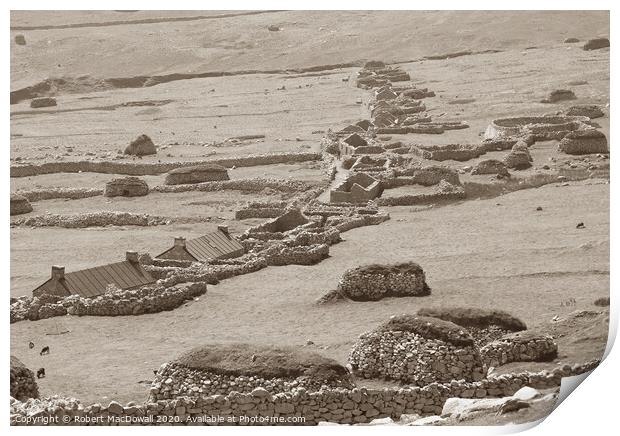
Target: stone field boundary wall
point(154, 168)
point(259, 407)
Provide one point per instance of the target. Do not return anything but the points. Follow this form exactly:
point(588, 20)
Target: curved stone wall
point(23, 383)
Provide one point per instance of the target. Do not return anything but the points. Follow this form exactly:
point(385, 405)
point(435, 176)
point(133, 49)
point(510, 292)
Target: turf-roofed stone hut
point(219, 244)
point(126, 187)
point(417, 350)
point(374, 282)
point(23, 383)
point(19, 205)
point(197, 174)
point(485, 325)
point(92, 282)
point(221, 369)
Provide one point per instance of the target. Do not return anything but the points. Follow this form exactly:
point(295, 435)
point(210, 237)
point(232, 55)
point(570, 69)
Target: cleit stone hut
point(219, 369)
point(215, 245)
point(20, 205)
point(197, 174)
point(374, 282)
point(584, 142)
point(417, 350)
point(23, 383)
point(126, 187)
point(91, 282)
point(141, 146)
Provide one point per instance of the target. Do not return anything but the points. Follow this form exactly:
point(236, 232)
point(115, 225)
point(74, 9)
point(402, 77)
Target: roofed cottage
point(92, 282)
point(216, 245)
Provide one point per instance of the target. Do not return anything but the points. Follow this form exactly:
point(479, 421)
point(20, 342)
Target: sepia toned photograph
point(306, 217)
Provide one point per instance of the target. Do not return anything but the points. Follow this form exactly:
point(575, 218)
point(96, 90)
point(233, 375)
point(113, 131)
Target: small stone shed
point(219, 244)
point(357, 188)
point(126, 187)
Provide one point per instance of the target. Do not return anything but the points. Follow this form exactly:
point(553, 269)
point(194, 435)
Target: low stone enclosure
point(542, 128)
point(23, 383)
point(343, 406)
point(374, 282)
point(197, 174)
point(126, 187)
point(417, 350)
point(220, 369)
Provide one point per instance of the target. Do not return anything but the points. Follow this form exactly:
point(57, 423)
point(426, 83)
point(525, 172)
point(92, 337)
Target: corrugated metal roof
point(216, 245)
point(94, 281)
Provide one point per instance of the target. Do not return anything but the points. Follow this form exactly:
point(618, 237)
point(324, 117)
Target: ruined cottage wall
point(344, 406)
point(154, 168)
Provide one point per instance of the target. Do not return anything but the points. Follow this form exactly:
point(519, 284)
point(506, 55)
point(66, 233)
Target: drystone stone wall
point(173, 381)
point(519, 347)
point(147, 299)
point(154, 168)
point(300, 407)
point(94, 219)
point(51, 193)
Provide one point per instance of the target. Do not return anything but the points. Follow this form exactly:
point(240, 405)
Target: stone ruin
point(23, 383)
point(417, 350)
point(357, 188)
point(197, 174)
point(536, 128)
point(373, 75)
point(141, 146)
point(221, 369)
point(374, 282)
point(491, 166)
point(126, 187)
point(20, 205)
point(458, 152)
point(584, 142)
